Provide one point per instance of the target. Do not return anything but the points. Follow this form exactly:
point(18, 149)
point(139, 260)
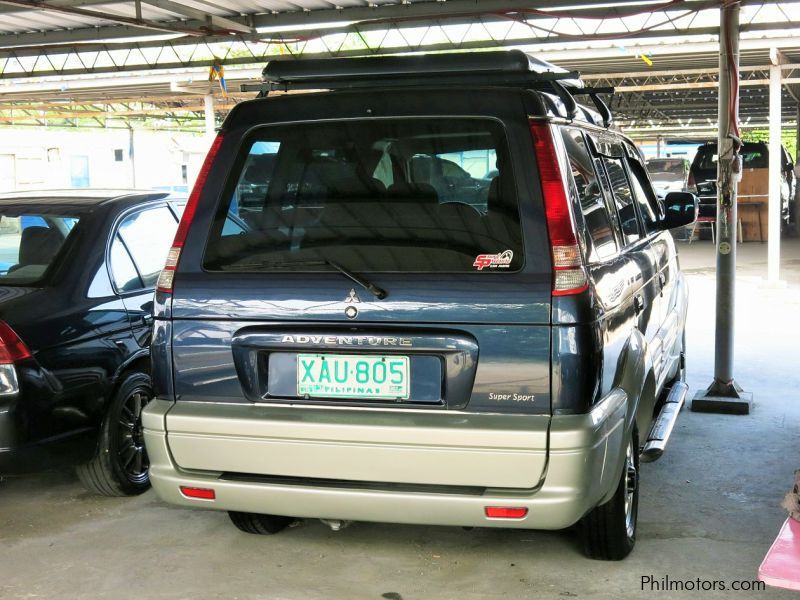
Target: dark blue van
point(441, 292)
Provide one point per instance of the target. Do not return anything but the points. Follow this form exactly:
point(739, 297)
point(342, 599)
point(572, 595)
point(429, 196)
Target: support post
point(132, 157)
point(795, 209)
point(211, 125)
point(775, 155)
point(724, 395)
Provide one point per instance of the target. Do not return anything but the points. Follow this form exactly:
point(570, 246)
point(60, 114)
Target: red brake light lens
point(167, 275)
point(570, 277)
point(12, 349)
point(506, 512)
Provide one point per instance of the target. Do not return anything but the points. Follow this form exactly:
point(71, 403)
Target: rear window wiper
point(373, 289)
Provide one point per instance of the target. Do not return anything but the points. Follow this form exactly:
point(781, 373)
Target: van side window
point(590, 196)
point(623, 197)
point(648, 207)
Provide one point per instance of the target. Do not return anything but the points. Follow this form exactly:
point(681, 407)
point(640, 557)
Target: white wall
point(41, 158)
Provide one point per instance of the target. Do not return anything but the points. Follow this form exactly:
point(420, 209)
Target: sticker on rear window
point(494, 261)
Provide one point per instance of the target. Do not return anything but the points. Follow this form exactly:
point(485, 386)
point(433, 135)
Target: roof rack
point(512, 68)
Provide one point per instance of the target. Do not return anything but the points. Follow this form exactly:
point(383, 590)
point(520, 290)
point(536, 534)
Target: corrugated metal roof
point(22, 19)
point(73, 52)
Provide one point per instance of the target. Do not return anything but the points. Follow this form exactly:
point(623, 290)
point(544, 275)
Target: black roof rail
point(599, 104)
point(507, 68)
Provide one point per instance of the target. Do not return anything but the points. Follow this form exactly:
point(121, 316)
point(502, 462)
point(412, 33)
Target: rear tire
point(259, 524)
point(609, 530)
point(120, 466)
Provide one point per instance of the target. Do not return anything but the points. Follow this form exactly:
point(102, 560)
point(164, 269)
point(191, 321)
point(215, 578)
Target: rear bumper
point(581, 471)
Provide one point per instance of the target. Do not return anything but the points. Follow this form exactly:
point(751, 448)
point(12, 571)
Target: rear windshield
point(385, 195)
point(754, 156)
point(29, 244)
point(666, 165)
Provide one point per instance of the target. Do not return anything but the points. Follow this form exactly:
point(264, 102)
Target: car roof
point(760, 143)
point(76, 201)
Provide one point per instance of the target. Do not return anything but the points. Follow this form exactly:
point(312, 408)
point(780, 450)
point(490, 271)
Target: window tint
point(148, 235)
point(754, 156)
point(400, 195)
point(256, 175)
point(623, 197)
point(29, 244)
point(124, 273)
point(590, 196)
point(671, 166)
point(643, 192)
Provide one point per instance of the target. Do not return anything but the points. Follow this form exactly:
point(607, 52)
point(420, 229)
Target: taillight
point(12, 349)
point(505, 512)
point(167, 275)
point(570, 276)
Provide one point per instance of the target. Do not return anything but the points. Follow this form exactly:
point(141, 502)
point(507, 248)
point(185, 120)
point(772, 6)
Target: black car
point(755, 159)
point(77, 271)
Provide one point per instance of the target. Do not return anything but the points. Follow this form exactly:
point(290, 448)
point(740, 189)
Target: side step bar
point(665, 421)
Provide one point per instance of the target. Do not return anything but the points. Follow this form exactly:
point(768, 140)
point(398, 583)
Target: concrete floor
point(709, 507)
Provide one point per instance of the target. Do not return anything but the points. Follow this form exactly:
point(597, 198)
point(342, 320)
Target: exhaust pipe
point(336, 524)
point(665, 421)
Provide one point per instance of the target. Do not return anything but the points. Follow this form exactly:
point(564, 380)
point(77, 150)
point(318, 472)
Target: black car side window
point(123, 271)
point(148, 234)
point(624, 199)
point(590, 196)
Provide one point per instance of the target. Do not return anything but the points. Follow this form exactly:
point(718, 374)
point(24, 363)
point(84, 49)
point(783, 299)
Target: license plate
point(352, 376)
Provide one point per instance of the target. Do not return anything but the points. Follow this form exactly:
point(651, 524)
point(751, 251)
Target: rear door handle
point(638, 303)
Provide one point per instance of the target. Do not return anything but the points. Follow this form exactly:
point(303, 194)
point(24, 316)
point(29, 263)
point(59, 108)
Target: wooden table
point(750, 223)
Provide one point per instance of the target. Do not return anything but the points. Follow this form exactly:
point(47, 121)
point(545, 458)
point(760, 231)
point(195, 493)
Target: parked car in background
point(77, 272)
point(669, 175)
point(755, 166)
point(397, 334)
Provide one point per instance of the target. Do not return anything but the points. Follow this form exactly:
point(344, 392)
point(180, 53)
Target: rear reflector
point(570, 277)
point(506, 512)
point(201, 493)
point(12, 348)
point(167, 275)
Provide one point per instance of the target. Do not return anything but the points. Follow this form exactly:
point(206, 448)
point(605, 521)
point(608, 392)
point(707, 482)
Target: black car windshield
point(384, 195)
point(29, 244)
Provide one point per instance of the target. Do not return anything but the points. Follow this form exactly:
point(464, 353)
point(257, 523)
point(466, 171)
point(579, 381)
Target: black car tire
point(120, 466)
point(258, 523)
point(609, 530)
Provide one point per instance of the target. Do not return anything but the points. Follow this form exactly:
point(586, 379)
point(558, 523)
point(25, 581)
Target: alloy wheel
point(631, 482)
point(131, 453)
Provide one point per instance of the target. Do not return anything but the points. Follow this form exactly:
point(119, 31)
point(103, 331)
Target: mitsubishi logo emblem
point(352, 297)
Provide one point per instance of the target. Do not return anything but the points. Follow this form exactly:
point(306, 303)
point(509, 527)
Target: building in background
point(33, 159)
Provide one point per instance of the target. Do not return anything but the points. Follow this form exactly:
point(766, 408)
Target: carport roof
point(132, 59)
